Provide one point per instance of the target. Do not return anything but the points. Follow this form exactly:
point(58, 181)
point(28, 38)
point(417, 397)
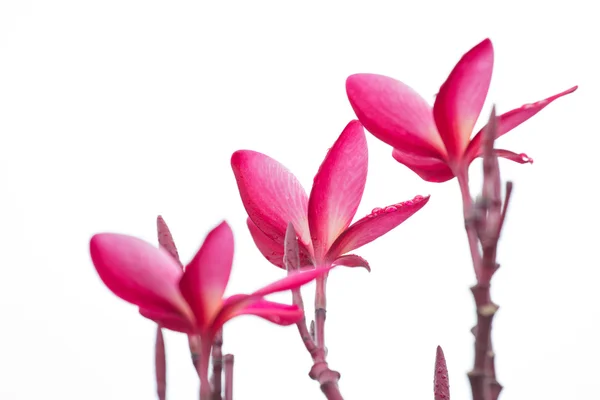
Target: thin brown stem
point(228, 361)
point(320, 371)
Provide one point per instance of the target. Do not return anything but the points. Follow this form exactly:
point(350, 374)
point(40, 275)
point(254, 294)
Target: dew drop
point(390, 209)
point(376, 210)
point(418, 198)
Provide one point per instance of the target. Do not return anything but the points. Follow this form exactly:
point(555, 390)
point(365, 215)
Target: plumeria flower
point(273, 197)
point(436, 142)
point(188, 300)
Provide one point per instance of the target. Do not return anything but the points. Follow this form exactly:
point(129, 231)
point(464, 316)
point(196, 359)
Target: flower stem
point(217, 360)
point(483, 222)
point(228, 360)
point(205, 389)
point(320, 371)
point(321, 311)
point(161, 365)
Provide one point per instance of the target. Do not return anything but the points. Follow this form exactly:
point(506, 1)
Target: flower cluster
point(310, 234)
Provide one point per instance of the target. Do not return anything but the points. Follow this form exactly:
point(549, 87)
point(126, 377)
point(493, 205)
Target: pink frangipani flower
point(188, 300)
point(273, 197)
point(436, 142)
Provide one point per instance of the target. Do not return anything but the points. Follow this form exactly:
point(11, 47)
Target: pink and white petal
point(394, 113)
point(375, 225)
point(429, 169)
point(272, 250)
point(206, 276)
point(241, 304)
point(231, 305)
point(338, 188)
point(460, 99)
point(281, 314)
point(293, 280)
point(272, 195)
point(352, 260)
point(512, 119)
point(138, 272)
point(171, 321)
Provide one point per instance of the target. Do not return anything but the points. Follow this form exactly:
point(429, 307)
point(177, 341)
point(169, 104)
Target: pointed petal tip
point(487, 42)
point(338, 187)
point(380, 221)
point(352, 261)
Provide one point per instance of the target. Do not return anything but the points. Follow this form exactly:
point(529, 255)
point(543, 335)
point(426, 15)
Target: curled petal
point(271, 194)
point(374, 225)
point(352, 260)
point(510, 120)
point(171, 321)
point(338, 188)
point(521, 158)
point(429, 169)
point(206, 276)
point(138, 272)
point(272, 250)
point(394, 113)
point(294, 280)
point(460, 99)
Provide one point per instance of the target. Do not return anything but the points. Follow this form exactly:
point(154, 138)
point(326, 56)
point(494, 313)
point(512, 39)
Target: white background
point(112, 112)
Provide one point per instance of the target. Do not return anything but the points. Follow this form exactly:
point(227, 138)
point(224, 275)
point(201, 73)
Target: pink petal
point(272, 195)
point(281, 314)
point(235, 304)
point(273, 251)
point(429, 169)
point(352, 261)
point(165, 239)
point(338, 188)
point(512, 119)
point(206, 276)
point(171, 321)
point(460, 99)
point(292, 281)
point(374, 225)
point(521, 158)
point(138, 272)
point(394, 113)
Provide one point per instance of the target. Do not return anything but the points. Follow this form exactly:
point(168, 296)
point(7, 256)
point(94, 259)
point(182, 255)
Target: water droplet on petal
point(389, 209)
